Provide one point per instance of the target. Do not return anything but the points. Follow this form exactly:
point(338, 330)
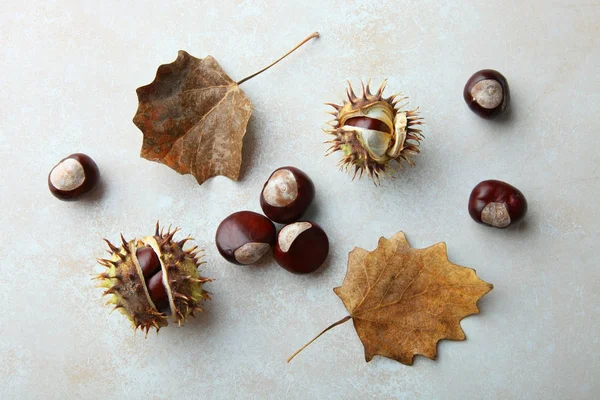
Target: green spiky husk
point(356, 154)
point(126, 288)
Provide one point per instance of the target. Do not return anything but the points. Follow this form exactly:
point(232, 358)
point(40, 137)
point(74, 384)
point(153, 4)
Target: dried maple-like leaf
point(194, 117)
point(403, 301)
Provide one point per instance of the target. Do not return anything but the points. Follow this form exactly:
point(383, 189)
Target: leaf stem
point(314, 35)
point(341, 321)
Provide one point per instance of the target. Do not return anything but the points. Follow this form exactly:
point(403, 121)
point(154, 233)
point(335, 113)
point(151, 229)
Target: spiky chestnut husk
point(372, 131)
point(125, 284)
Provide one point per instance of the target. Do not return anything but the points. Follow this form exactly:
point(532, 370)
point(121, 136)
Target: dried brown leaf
point(403, 301)
point(194, 117)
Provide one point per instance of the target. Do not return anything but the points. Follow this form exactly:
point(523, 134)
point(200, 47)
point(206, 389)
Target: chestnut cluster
point(153, 277)
point(300, 246)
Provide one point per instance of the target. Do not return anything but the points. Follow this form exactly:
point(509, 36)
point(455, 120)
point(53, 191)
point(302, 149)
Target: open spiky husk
point(405, 136)
point(124, 280)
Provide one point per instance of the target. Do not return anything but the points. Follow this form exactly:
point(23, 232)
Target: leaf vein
point(387, 263)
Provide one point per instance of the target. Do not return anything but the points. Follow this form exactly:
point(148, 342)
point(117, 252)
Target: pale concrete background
point(68, 74)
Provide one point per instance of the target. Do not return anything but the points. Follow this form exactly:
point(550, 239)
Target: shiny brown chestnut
point(301, 247)
point(151, 269)
point(497, 204)
point(73, 177)
point(487, 93)
point(244, 237)
point(369, 123)
point(158, 292)
point(286, 195)
point(148, 261)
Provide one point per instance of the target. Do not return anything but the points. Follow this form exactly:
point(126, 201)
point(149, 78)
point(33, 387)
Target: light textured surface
point(69, 70)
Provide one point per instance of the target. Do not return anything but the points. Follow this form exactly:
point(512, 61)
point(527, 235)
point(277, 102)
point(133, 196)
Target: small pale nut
point(286, 195)
point(376, 141)
point(495, 214)
point(251, 252)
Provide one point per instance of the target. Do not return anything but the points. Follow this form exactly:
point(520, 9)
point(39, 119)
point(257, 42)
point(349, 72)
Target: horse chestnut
point(486, 93)
point(497, 203)
point(301, 247)
point(150, 266)
point(286, 195)
point(369, 123)
point(244, 237)
point(151, 277)
point(148, 261)
point(73, 176)
point(158, 292)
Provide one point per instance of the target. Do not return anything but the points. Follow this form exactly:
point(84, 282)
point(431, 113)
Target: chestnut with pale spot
point(496, 203)
point(286, 195)
point(73, 177)
point(486, 93)
point(244, 237)
point(301, 247)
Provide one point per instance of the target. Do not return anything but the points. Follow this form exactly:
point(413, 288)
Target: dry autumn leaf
point(193, 117)
point(403, 300)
